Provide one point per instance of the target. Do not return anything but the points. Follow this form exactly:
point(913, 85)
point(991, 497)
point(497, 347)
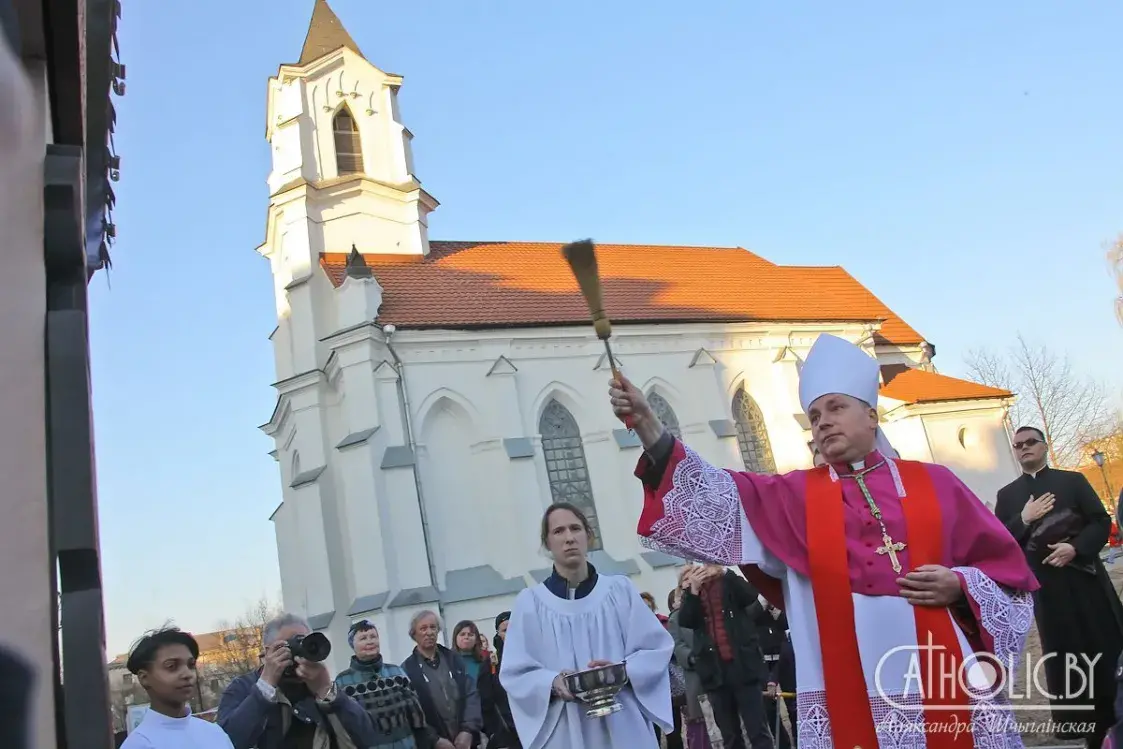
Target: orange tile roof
point(518, 284)
point(922, 386)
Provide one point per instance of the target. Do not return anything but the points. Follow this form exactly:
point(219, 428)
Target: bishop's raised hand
point(629, 403)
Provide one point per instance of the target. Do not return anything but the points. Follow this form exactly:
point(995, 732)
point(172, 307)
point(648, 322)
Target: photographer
point(291, 703)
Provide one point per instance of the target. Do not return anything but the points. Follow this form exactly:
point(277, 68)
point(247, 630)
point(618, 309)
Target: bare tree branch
point(1115, 263)
point(1069, 408)
point(240, 649)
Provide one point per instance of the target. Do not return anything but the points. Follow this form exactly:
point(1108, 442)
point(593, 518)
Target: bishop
point(879, 563)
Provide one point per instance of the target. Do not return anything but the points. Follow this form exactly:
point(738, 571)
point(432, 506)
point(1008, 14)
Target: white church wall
point(565, 371)
point(307, 585)
point(404, 524)
point(456, 492)
point(362, 523)
point(289, 553)
point(387, 225)
point(909, 438)
point(975, 445)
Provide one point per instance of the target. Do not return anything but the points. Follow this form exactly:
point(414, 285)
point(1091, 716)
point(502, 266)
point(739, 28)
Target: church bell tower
point(342, 176)
point(340, 156)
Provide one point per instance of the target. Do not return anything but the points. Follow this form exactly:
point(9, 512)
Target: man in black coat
point(1062, 526)
point(726, 654)
point(779, 662)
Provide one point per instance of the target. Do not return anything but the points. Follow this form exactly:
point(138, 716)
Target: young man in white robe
point(164, 664)
point(904, 594)
point(575, 620)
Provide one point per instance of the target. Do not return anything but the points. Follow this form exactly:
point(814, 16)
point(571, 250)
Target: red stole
point(847, 698)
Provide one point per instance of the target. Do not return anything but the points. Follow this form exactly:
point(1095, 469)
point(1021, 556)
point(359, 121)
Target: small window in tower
point(348, 148)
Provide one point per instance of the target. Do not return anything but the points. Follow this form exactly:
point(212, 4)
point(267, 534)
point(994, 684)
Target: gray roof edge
point(306, 477)
point(415, 597)
point(659, 560)
point(320, 621)
point(356, 438)
point(723, 428)
point(373, 602)
point(626, 439)
point(518, 447)
point(474, 583)
point(397, 456)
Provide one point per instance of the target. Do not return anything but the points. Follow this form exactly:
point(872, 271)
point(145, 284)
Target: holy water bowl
point(597, 688)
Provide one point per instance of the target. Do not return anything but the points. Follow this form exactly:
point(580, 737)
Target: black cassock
point(1077, 609)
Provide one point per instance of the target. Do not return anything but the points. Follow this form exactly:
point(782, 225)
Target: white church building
point(433, 397)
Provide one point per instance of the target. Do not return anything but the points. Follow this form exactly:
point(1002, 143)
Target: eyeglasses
point(1027, 443)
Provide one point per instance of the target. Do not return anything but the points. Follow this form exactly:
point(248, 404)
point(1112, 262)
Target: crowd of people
point(721, 645)
point(852, 568)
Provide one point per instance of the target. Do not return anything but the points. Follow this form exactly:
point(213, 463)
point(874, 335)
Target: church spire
point(325, 34)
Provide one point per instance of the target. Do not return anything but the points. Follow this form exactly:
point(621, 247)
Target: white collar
point(166, 722)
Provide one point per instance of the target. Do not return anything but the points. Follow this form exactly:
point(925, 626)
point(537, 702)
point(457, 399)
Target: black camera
point(311, 647)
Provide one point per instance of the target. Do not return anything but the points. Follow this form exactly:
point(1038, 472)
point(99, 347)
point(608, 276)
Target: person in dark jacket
point(726, 654)
point(275, 707)
point(448, 694)
point(469, 644)
point(697, 729)
point(384, 691)
point(509, 738)
point(501, 623)
point(779, 662)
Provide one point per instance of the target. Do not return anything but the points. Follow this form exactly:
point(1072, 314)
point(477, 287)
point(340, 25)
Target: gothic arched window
point(752, 436)
point(348, 147)
point(565, 464)
point(664, 413)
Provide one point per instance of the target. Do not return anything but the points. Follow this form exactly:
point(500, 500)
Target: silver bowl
point(597, 688)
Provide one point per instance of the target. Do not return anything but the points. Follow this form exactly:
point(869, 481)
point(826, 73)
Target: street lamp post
point(1098, 459)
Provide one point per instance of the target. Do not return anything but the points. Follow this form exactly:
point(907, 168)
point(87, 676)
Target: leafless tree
point(240, 648)
point(1069, 408)
point(1115, 262)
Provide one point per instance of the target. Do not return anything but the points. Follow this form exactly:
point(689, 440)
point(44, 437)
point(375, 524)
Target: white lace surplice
point(703, 519)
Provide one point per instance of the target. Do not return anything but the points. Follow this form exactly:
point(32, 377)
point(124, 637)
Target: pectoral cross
point(891, 548)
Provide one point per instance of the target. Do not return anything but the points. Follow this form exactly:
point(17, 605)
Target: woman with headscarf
point(384, 691)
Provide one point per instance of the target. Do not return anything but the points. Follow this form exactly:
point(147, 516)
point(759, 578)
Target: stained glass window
point(565, 464)
point(752, 436)
point(665, 413)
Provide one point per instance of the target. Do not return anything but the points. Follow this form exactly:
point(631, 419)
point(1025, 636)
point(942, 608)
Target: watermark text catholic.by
point(953, 682)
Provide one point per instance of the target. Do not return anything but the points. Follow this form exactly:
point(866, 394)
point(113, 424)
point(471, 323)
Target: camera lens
point(315, 647)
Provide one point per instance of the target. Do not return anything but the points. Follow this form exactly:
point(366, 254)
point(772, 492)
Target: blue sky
point(962, 160)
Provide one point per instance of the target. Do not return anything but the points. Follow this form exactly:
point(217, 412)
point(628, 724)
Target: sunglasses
point(1027, 443)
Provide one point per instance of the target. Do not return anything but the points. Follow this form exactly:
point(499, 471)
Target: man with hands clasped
point(1061, 526)
point(291, 703)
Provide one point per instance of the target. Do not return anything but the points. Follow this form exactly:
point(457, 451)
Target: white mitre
point(837, 366)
